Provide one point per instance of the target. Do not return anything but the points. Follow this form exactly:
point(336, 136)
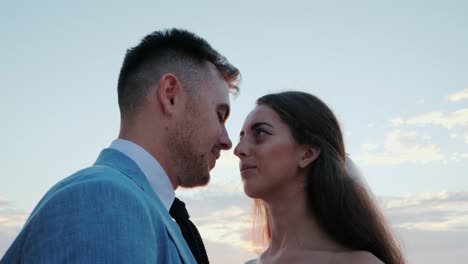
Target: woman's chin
point(254, 194)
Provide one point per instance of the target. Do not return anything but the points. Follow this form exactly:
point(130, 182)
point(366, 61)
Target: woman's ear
point(308, 156)
point(168, 93)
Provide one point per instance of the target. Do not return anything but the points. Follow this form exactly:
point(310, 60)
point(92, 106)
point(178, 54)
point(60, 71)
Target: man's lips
point(216, 153)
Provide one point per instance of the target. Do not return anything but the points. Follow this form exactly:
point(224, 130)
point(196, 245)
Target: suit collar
point(119, 161)
point(151, 168)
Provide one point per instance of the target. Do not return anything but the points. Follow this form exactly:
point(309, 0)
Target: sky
point(394, 73)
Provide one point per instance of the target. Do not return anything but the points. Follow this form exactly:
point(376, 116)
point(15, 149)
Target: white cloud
point(397, 121)
point(461, 133)
point(464, 133)
point(463, 94)
point(426, 137)
point(369, 147)
point(11, 221)
point(410, 147)
point(401, 147)
point(434, 247)
point(458, 156)
point(457, 118)
point(435, 218)
point(230, 226)
point(442, 211)
point(223, 218)
point(420, 101)
point(227, 160)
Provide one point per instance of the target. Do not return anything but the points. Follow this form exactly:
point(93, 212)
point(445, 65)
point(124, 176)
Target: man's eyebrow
point(255, 126)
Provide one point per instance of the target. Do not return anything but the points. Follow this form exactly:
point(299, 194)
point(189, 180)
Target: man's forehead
point(220, 91)
point(215, 75)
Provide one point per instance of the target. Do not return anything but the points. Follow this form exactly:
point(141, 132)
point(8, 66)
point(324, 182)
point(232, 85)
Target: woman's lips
point(246, 170)
point(245, 167)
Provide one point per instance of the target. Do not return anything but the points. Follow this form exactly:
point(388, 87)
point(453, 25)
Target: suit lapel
point(119, 161)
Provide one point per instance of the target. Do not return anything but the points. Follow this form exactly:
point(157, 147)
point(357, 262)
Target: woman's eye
point(261, 132)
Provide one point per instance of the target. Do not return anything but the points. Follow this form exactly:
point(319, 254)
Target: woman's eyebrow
point(255, 126)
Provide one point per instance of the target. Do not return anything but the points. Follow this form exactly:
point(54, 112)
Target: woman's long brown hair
point(340, 204)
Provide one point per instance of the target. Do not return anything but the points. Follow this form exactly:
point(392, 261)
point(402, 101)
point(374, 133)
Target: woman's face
point(269, 156)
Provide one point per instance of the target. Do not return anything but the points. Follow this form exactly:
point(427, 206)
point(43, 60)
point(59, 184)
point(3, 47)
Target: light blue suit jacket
point(107, 213)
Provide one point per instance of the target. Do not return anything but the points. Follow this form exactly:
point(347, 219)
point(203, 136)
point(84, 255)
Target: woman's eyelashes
point(259, 132)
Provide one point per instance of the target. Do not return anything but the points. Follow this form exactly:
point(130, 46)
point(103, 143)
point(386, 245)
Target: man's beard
point(191, 167)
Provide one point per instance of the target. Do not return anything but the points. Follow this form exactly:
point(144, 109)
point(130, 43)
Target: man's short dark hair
point(175, 51)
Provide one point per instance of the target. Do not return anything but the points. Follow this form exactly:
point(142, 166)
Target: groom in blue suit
point(173, 93)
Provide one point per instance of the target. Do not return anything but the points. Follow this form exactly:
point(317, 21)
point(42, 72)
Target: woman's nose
point(240, 149)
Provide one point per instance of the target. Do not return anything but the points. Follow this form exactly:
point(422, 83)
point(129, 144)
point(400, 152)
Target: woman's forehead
point(262, 113)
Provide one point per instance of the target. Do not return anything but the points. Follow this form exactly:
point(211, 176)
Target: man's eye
point(221, 117)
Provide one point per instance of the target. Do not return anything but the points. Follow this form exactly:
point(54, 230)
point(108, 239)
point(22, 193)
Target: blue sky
point(394, 72)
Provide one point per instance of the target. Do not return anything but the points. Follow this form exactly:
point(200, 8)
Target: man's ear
point(308, 156)
point(168, 93)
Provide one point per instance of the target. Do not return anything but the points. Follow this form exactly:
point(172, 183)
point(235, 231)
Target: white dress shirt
point(150, 167)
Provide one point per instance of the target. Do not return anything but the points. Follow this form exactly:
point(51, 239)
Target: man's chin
point(203, 181)
point(211, 166)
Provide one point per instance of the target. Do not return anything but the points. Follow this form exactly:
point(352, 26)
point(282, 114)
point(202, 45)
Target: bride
point(311, 209)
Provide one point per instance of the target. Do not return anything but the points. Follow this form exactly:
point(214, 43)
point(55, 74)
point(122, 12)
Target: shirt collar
point(153, 171)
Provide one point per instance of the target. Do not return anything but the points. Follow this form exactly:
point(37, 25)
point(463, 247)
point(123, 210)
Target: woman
point(292, 162)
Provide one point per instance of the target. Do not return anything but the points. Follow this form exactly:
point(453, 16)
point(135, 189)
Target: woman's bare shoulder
point(359, 257)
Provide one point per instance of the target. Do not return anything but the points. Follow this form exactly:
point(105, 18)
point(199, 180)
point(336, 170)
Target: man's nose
point(224, 141)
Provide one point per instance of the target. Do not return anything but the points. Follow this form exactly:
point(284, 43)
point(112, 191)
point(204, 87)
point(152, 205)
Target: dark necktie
point(189, 231)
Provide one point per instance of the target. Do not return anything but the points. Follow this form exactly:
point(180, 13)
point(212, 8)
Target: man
point(173, 93)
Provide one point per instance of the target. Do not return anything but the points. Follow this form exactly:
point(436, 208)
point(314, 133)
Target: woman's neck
point(293, 226)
